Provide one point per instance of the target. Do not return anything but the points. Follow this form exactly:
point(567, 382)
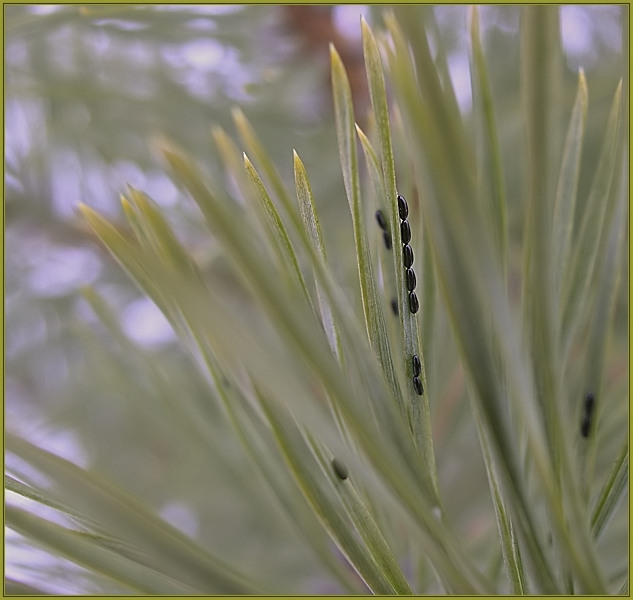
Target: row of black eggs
point(407, 259)
point(409, 274)
point(338, 466)
point(407, 254)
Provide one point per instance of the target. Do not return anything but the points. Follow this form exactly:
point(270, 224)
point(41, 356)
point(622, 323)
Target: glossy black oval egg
point(417, 384)
point(417, 366)
point(410, 277)
point(414, 304)
point(407, 256)
point(405, 232)
point(403, 208)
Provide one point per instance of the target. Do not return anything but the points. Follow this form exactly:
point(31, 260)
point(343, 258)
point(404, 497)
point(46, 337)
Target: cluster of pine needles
point(334, 404)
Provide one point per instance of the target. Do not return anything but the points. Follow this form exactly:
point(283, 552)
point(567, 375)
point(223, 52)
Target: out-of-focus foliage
point(86, 89)
point(100, 378)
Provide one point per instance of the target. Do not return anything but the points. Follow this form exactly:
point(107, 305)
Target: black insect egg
point(403, 208)
point(407, 256)
point(405, 232)
point(417, 384)
point(414, 303)
point(386, 236)
point(339, 469)
point(417, 366)
point(382, 222)
point(410, 277)
point(585, 425)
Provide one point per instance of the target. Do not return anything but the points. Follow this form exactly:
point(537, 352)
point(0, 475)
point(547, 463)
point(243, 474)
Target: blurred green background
point(86, 90)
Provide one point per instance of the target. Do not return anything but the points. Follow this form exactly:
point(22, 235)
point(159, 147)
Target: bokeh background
point(86, 90)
